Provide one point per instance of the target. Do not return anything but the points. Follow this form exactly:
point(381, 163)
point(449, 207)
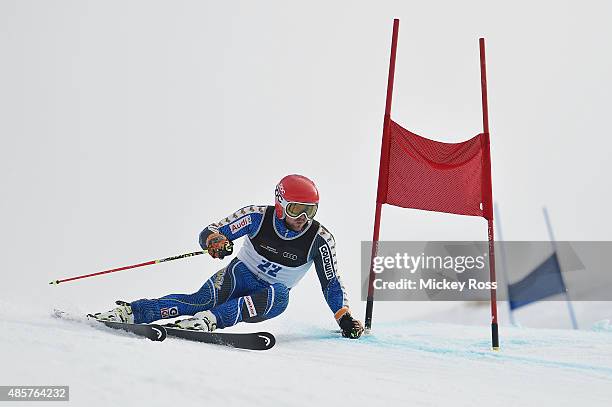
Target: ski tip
point(268, 338)
point(153, 332)
point(159, 333)
point(55, 282)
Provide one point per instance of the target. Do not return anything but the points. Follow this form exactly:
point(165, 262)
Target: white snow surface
point(111, 113)
point(400, 363)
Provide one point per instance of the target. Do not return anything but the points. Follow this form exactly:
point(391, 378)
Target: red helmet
point(296, 195)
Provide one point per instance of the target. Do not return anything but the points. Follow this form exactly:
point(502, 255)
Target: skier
point(283, 241)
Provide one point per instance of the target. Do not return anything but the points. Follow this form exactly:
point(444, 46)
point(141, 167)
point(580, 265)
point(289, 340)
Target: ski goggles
point(297, 209)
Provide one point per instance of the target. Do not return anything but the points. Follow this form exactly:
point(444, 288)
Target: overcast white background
point(128, 126)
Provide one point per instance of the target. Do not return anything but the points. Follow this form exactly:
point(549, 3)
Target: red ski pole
point(148, 263)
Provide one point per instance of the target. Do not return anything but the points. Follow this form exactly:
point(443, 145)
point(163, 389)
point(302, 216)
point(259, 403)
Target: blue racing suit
point(255, 285)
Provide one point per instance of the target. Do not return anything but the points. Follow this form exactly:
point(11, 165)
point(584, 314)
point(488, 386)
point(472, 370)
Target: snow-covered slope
point(401, 363)
point(127, 127)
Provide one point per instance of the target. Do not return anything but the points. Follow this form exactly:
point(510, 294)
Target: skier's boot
point(202, 321)
point(123, 313)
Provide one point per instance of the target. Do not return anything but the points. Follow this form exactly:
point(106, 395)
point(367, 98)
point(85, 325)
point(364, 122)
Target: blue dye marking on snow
point(602, 326)
point(408, 344)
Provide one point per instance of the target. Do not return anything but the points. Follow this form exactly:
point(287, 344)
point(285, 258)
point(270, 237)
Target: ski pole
point(148, 263)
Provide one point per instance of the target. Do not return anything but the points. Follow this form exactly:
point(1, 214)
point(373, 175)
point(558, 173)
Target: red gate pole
point(383, 174)
point(488, 194)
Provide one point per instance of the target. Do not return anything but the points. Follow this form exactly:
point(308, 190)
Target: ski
point(251, 341)
point(151, 331)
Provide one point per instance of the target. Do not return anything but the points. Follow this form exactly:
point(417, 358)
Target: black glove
point(351, 328)
point(218, 246)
